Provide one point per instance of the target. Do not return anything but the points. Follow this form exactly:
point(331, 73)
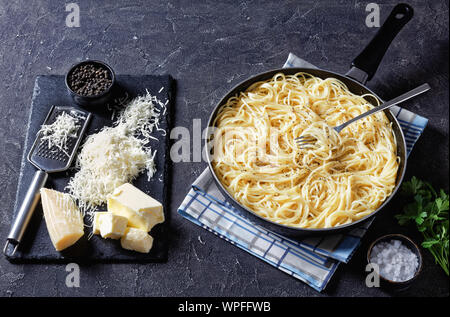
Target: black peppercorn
point(90, 79)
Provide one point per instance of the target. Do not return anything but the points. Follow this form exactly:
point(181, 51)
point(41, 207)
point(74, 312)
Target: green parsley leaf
point(429, 211)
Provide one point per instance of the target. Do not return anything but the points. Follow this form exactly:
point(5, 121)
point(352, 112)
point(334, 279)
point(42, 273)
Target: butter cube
point(96, 222)
point(143, 212)
point(112, 226)
point(136, 240)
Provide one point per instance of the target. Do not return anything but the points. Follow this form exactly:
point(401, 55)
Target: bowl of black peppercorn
point(90, 83)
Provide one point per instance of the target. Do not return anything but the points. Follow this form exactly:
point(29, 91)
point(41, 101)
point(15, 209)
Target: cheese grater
point(46, 160)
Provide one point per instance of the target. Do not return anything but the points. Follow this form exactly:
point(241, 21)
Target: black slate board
point(36, 246)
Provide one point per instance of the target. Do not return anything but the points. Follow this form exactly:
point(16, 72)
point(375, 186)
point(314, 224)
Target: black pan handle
point(369, 59)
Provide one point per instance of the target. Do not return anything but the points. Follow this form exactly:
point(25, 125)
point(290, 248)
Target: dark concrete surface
point(208, 47)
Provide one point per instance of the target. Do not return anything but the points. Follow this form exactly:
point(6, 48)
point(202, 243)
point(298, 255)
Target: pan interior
point(356, 88)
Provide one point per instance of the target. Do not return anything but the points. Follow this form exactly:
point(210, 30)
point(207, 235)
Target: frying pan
point(363, 68)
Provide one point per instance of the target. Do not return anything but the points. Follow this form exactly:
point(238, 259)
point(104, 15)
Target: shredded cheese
point(58, 133)
point(116, 155)
point(139, 116)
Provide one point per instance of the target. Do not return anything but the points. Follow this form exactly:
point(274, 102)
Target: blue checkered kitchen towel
point(312, 260)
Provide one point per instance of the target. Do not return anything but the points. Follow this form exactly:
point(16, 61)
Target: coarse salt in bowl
point(398, 258)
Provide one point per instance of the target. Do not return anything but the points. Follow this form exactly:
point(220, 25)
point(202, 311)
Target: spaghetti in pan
point(343, 178)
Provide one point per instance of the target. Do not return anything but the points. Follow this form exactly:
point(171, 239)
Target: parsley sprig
point(429, 211)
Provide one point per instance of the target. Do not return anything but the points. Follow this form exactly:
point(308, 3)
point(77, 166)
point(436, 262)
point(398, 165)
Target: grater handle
point(25, 212)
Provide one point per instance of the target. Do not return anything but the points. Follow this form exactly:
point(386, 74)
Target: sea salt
point(396, 262)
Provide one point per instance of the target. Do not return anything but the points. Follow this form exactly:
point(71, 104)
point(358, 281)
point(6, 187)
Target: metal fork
point(306, 141)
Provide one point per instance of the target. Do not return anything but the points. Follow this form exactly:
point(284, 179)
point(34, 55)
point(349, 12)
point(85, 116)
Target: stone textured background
point(209, 47)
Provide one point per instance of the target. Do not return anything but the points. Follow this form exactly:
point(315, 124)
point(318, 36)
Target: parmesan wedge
point(62, 217)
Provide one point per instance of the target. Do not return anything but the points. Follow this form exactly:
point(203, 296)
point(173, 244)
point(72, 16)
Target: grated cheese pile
point(139, 117)
point(58, 133)
point(115, 155)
